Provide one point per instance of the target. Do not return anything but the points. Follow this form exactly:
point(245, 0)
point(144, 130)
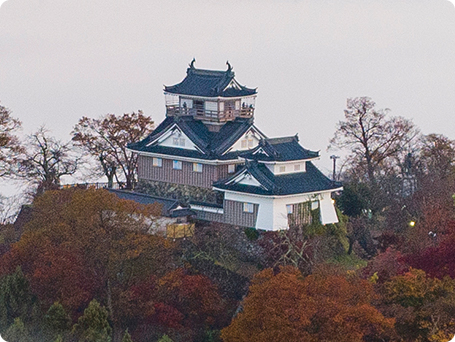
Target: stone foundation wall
point(184, 193)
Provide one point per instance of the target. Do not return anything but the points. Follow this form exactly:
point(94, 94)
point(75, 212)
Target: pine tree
point(57, 321)
point(127, 337)
point(93, 325)
point(165, 338)
point(17, 332)
point(16, 300)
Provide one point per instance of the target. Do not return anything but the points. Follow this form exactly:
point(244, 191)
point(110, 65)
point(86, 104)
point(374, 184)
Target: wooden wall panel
point(234, 214)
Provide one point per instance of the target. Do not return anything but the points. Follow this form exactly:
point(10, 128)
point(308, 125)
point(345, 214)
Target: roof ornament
point(229, 66)
point(192, 63)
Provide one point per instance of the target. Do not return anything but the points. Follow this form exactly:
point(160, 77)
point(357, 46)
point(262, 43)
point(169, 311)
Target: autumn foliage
point(288, 307)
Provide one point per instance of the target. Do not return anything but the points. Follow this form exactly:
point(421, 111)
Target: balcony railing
point(210, 115)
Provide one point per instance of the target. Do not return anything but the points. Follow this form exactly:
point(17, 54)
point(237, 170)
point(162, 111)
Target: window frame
point(157, 162)
point(177, 165)
point(231, 168)
point(248, 207)
point(197, 167)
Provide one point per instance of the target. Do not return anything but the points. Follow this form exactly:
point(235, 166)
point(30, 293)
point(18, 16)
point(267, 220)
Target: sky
point(64, 59)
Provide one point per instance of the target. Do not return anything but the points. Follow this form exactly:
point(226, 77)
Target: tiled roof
point(288, 184)
point(168, 204)
point(280, 149)
point(209, 83)
point(212, 145)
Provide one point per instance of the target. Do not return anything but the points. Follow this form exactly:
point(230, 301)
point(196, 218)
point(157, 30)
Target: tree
point(17, 332)
point(107, 138)
point(10, 147)
point(16, 299)
point(371, 137)
point(424, 307)
point(93, 325)
point(82, 244)
point(288, 307)
point(46, 160)
point(57, 321)
point(127, 337)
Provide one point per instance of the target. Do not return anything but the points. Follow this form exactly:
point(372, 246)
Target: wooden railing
point(98, 185)
point(210, 115)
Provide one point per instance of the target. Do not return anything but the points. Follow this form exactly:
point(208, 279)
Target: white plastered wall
point(275, 168)
point(238, 144)
point(168, 141)
point(272, 212)
point(265, 208)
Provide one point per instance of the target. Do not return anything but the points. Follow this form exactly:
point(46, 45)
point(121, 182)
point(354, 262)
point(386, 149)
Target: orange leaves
point(80, 240)
point(287, 307)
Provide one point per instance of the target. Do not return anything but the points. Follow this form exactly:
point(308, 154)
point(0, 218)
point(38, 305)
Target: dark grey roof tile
point(209, 83)
point(294, 183)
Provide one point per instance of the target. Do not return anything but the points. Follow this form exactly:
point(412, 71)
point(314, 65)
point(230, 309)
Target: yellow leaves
point(412, 288)
point(441, 336)
point(374, 278)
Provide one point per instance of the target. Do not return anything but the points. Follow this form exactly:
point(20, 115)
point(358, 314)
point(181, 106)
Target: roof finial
point(192, 63)
point(229, 66)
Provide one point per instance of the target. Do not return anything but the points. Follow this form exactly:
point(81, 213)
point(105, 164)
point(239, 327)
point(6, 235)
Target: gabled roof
point(280, 149)
point(279, 185)
point(209, 83)
point(211, 145)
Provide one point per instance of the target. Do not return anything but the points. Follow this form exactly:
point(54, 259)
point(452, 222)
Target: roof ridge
point(281, 140)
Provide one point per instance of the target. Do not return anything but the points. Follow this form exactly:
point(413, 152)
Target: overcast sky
point(63, 59)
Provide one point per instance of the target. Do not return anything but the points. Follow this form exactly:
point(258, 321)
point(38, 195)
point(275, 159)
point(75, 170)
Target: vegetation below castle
point(79, 265)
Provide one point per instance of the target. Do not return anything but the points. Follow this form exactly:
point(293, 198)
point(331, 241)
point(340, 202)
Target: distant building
point(209, 154)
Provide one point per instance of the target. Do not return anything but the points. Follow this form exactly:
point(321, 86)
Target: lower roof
point(310, 181)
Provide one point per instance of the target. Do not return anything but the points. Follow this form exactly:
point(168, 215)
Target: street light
point(334, 158)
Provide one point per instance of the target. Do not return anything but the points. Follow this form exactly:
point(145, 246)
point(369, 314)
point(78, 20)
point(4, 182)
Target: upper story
point(211, 96)
point(200, 147)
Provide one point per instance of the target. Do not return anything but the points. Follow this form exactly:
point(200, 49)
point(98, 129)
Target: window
point(250, 142)
point(176, 164)
point(175, 141)
point(297, 167)
point(282, 168)
point(231, 168)
point(244, 143)
point(158, 162)
point(248, 207)
point(197, 167)
point(289, 208)
point(182, 141)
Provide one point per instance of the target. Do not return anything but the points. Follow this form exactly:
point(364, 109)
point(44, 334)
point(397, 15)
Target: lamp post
point(334, 158)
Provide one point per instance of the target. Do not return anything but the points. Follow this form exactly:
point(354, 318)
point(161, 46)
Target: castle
point(209, 152)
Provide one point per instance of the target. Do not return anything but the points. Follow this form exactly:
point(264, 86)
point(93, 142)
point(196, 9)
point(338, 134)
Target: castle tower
point(211, 96)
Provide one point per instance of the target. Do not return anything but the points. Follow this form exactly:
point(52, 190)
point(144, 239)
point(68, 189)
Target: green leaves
point(93, 326)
